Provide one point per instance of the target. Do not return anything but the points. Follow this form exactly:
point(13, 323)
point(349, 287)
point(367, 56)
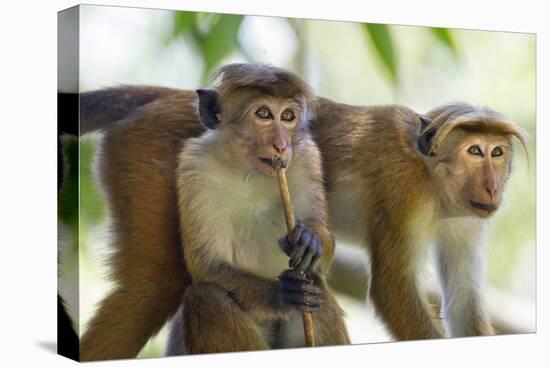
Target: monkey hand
point(297, 291)
point(304, 248)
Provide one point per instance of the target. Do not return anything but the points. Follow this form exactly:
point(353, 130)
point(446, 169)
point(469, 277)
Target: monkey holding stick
point(231, 218)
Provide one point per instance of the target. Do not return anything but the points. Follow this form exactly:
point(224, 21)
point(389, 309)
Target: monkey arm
point(327, 243)
point(396, 253)
point(253, 293)
point(316, 215)
point(461, 265)
point(395, 294)
point(262, 296)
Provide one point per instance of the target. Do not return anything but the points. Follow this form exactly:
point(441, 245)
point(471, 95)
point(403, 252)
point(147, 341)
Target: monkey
point(151, 266)
point(166, 118)
point(231, 218)
point(138, 180)
point(397, 181)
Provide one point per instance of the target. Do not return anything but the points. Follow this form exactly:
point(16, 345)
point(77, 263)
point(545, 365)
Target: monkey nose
point(492, 191)
point(280, 147)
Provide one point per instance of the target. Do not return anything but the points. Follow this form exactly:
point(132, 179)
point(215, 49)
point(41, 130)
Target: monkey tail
point(96, 110)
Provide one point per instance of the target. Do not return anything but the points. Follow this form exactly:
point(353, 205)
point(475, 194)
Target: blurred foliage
point(444, 36)
point(80, 203)
point(90, 197)
point(383, 44)
point(214, 35)
point(68, 196)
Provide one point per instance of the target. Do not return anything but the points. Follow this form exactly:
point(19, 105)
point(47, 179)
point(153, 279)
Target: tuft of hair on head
point(267, 78)
point(463, 115)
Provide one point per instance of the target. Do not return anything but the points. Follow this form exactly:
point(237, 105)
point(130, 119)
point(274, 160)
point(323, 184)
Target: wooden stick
point(290, 225)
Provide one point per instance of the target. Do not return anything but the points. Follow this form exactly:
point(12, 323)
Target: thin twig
point(290, 225)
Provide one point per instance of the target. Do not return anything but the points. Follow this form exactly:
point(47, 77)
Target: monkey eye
point(264, 113)
point(288, 115)
point(475, 150)
point(497, 152)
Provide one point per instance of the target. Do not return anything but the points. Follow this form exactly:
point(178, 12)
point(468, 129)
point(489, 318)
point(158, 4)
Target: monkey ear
point(209, 107)
point(425, 121)
point(425, 139)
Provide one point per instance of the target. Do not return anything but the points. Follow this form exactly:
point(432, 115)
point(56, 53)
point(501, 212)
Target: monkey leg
point(137, 164)
point(130, 315)
point(329, 327)
point(214, 323)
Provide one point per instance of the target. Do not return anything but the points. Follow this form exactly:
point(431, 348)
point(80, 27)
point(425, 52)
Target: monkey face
point(272, 125)
point(263, 128)
point(473, 170)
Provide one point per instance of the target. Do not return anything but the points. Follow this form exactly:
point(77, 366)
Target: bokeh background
point(354, 63)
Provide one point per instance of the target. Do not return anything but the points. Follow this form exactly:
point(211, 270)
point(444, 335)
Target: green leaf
point(91, 200)
point(184, 21)
point(383, 44)
point(67, 209)
point(80, 204)
point(444, 36)
point(79, 195)
point(219, 41)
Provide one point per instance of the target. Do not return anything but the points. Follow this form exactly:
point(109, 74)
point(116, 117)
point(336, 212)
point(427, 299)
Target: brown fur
point(207, 330)
point(481, 119)
point(137, 166)
point(349, 138)
point(145, 129)
point(235, 287)
point(377, 144)
point(268, 79)
point(403, 196)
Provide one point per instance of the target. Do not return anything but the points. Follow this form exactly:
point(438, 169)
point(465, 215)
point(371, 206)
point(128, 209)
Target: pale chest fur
point(254, 219)
point(245, 214)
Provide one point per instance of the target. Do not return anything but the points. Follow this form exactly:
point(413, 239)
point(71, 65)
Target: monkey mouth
point(268, 161)
point(273, 163)
point(489, 208)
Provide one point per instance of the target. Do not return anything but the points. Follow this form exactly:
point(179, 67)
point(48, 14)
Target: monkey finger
point(306, 260)
point(298, 298)
point(314, 263)
point(310, 244)
point(284, 244)
point(293, 275)
point(306, 238)
point(310, 309)
point(298, 254)
point(295, 235)
point(300, 286)
point(317, 251)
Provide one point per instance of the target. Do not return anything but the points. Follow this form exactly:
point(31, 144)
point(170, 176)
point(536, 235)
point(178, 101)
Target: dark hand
point(297, 291)
point(303, 246)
